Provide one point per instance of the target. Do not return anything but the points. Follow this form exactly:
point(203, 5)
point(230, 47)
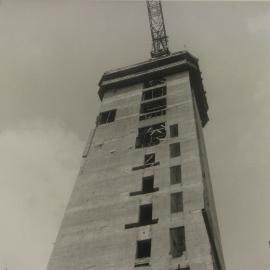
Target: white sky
point(53, 53)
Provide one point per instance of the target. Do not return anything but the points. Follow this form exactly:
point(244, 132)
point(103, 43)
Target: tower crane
point(158, 32)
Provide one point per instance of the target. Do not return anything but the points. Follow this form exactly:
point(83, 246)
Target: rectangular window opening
point(152, 83)
point(175, 150)
point(143, 249)
point(149, 160)
point(177, 241)
point(176, 202)
point(150, 135)
point(174, 131)
point(145, 214)
point(175, 174)
point(145, 217)
point(154, 93)
point(148, 184)
point(106, 117)
point(153, 108)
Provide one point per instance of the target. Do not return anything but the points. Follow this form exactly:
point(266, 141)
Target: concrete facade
point(93, 234)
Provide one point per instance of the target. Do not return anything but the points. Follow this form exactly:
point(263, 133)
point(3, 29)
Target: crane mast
point(158, 32)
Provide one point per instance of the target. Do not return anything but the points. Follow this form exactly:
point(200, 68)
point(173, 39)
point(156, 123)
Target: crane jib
point(157, 26)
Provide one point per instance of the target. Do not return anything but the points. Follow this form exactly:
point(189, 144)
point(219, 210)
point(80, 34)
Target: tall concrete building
point(143, 198)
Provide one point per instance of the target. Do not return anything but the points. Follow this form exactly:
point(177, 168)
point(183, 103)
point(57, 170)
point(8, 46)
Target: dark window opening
point(145, 217)
point(181, 268)
point(149, 160)
point(154, 105)
point(148, 184)
point(150, 135)
point(176, 202)
point(153, 108)
point(143, 249)
point(106, 117)
point(175, 174)
point(174, 131)
point(177, 241)
point(175, 150)
point(152, 83)
point(154, 93)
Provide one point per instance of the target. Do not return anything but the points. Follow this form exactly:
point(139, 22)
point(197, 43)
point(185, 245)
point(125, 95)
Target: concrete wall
point(209, 201)
point(92, 234)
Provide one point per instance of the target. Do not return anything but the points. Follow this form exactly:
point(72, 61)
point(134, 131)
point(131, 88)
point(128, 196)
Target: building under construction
point(143, 198)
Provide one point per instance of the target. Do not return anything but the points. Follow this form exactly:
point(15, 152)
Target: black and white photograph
point(134, 135)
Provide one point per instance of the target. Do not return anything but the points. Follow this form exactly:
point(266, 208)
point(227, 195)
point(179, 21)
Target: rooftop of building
point(156, 68)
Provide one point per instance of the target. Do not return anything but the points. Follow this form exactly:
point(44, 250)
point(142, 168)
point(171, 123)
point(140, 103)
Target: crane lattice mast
point(158, 32)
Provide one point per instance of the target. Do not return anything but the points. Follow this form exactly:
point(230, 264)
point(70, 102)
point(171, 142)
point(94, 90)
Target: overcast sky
point(53, 54)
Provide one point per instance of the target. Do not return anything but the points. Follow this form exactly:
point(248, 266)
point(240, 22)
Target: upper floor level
point(151, 71)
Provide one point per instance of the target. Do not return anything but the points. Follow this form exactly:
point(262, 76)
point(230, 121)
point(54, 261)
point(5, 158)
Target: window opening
point(175, 150)
point(148, 184)
point(106, 117)
point(175, 174)
point(145, 214)
point(152, 83)
point(154, 93)
point(143, 249)
point(177, 241)
point(149, 160)
point(145, 217)
point(176, 202)
point(153, 108)
point(150, 135)
point(174, 131)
